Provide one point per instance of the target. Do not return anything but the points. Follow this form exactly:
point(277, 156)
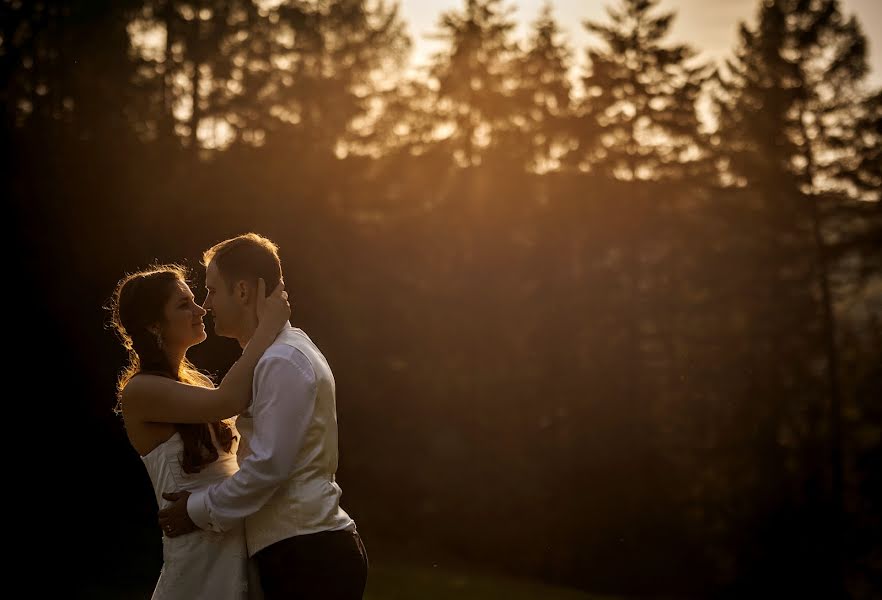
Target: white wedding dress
point(202, 564)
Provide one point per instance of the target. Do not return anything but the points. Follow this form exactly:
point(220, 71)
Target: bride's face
point(183, 326)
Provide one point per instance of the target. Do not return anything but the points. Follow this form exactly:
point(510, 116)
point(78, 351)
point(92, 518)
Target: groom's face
point(223, 303)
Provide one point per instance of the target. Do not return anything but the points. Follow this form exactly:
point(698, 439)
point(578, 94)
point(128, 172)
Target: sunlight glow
point(148, 39)
point(711, 26)
point(215, 133)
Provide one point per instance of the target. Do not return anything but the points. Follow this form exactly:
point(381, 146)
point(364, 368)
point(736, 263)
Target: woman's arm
point(159, 399)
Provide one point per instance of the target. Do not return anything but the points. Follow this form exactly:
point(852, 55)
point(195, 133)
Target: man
point(305, 544)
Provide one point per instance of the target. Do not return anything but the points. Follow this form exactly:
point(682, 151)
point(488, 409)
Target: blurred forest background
point(620, 332)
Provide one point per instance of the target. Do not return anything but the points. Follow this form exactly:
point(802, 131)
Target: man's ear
point(243, 291)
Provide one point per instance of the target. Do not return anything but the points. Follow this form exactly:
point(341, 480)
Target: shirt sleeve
point(284, 401)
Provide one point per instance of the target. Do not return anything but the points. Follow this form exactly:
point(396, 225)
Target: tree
point(240, 71)
point(639, 119)
point(789, 125)
point(543, 101)
point(337, 58)
point(474, 78)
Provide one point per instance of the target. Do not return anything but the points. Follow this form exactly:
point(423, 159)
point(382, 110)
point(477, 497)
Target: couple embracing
point(244, 472)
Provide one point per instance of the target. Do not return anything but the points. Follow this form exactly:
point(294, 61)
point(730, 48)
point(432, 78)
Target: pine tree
point(475, 86)
point(242, 71)
point(639, 119)
point(340, 56)
point(189, 58)
point(544, 95)
point(64, 65)
point(790, 130)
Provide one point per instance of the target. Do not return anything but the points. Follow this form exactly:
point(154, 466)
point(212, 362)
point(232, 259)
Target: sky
point(710, 26)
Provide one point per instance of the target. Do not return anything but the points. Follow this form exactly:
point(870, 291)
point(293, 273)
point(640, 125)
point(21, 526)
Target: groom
point(305, 544)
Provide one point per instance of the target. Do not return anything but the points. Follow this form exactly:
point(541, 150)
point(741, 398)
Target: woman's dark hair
point(137, 304)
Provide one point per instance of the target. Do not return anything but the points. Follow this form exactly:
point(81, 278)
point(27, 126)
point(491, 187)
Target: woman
point(175, 418)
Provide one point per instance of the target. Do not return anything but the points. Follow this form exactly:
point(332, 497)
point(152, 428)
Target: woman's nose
point(200, 311)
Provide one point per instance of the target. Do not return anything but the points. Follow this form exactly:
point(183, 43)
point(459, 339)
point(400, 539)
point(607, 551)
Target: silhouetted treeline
point(621, 332)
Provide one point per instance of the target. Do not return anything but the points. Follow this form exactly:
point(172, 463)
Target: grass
point(396, 573)
point(401, 581)
point(406, 582)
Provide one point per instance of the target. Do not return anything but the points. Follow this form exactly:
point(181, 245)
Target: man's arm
point(283, 406)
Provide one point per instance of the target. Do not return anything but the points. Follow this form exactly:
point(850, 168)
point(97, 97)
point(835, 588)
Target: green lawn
point(406, 582)
point(390, 581)
point(396, 573)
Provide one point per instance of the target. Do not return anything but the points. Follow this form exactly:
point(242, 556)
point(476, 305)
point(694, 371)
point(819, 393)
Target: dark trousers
point(330, 565)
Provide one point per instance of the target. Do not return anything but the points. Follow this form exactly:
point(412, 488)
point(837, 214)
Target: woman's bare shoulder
point(141, 388)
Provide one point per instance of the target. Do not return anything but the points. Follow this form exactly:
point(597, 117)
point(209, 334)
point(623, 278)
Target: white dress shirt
point(285, 485)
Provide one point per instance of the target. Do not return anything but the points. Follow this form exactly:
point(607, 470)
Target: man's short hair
point(246, 257)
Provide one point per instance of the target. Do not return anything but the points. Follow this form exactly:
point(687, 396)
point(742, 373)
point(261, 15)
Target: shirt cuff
point(198, 510)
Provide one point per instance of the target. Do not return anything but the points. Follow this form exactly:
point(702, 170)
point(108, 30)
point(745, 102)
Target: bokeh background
point(601, 283)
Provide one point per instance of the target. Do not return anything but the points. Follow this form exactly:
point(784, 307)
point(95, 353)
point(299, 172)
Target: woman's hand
point(273, 311)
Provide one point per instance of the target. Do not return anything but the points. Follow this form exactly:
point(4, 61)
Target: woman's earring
point(158, 339)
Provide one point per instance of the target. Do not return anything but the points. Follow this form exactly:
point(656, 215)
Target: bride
point(180, 423)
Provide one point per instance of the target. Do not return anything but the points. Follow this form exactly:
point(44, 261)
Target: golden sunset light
point(710, 25)
point(432, 299)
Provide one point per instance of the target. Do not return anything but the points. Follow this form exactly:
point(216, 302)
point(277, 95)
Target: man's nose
point(201, 310)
